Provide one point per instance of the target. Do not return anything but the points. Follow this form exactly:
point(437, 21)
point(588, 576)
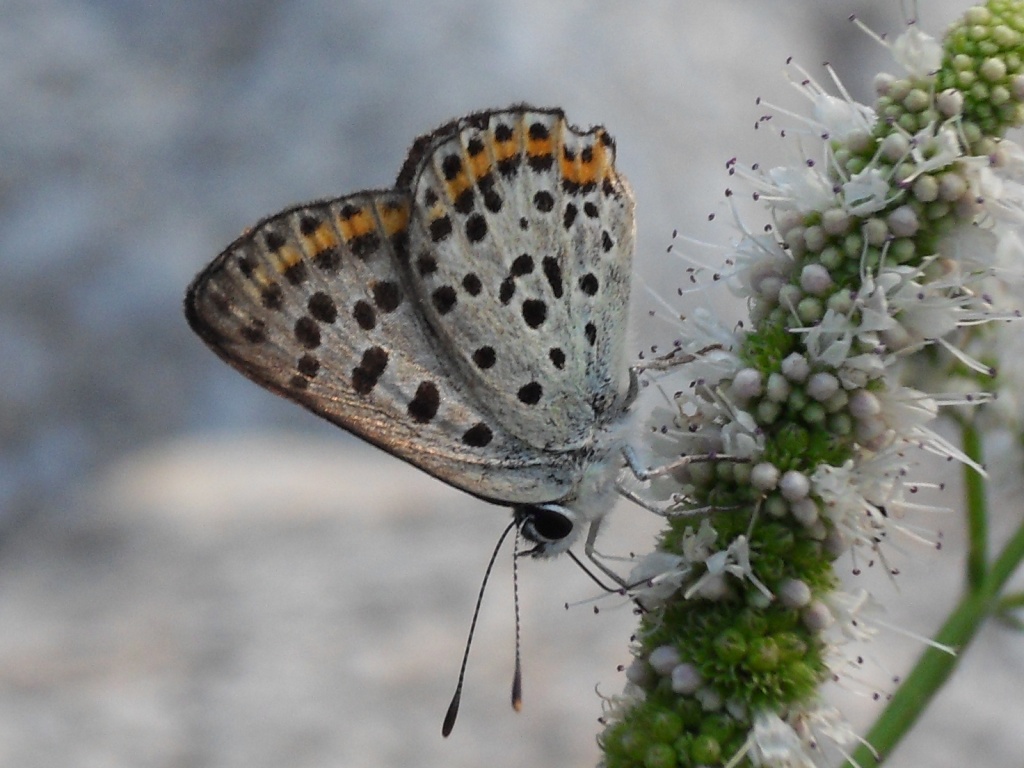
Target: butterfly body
point(470, 321)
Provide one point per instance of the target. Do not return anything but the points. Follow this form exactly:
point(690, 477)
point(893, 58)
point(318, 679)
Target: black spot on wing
point(569, 216)
point(365, 315)
point(365, 246)
point(478, 435)
point(274, 241)
point(426, 264)
point(543, 201)
point(296, 273)
point(328, 260)
point(492, 200)
point(423, 407)
point(507, 289)
point(476, 228)
point(440, 228)
point(366, 375)
point(451, 166)
point(589, 284)
point(484, 357)
point(530, 394)
point(471, 283)
point(535, 312)
point(464, 203)
point(523, 265)
point(322, 308)
point(272, 296)
point(386, 295)
point(307, 332)
point(553, 273)
point(308, 366)
point(255, 332)
point(444, 299)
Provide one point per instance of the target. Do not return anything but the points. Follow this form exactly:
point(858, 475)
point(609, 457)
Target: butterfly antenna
point(453, 708)
point(517, 675)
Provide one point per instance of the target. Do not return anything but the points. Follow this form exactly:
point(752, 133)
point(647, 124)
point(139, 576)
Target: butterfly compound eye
point(543, 524)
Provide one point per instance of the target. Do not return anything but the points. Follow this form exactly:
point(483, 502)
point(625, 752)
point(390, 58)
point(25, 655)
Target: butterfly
point(470, 320)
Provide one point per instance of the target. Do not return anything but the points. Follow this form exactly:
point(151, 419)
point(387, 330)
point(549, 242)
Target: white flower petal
point(920, 54)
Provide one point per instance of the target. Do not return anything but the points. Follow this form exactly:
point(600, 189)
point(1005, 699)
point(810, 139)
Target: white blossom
point(868, 191)
point(841, 117)
point(800, 188)
point(735, 561)
point(918, 53)
point(775, 744)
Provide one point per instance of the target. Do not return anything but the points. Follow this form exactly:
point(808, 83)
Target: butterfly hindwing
point(315, 304)
point(520, 245)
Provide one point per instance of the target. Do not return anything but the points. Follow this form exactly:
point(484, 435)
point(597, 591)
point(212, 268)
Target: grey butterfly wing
point(521, 242)
point(312, 304)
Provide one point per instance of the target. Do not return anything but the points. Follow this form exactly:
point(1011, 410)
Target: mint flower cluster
point(885, 254)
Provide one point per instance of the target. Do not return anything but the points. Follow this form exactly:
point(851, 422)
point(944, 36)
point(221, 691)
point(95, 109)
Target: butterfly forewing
point(315, 304)
point(520, 243)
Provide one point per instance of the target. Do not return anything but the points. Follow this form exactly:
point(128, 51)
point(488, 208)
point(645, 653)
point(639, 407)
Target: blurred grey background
point(195, 573)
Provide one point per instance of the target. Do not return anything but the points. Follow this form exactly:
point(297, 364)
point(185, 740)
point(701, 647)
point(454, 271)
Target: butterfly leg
point(634, 387)
point(662, 363)
point(672, 359)
point(590, 550)
point(643, 473)
point(640, 501)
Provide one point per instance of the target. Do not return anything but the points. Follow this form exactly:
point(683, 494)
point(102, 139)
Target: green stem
point(977, 510)
point(1006, 610)
point(936, 666)
point(1012, 601)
